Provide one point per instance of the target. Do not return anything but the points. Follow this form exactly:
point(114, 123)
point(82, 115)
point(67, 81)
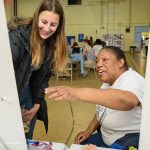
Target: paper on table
point(81, 147)
point(41, 145)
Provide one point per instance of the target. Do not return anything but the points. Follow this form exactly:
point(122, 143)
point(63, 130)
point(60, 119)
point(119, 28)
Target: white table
point(57, 146)
point(80, 147)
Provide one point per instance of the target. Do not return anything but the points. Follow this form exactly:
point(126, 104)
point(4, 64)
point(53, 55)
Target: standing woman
point(38, 48)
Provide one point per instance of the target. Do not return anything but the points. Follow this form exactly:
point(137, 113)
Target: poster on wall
point(118, 40)
point(80, 37)
point(108, 39)
point(114, 40)
point(69, 39)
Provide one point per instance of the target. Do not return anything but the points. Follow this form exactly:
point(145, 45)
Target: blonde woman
point(38, 48)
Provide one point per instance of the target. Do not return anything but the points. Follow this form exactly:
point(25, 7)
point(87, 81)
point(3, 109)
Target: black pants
point(146, 47)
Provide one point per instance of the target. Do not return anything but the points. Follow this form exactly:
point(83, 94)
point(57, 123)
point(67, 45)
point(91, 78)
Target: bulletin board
point(80, 37)
point(114, 40)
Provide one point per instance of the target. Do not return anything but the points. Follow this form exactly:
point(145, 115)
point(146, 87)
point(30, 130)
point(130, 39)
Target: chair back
point(90, 63)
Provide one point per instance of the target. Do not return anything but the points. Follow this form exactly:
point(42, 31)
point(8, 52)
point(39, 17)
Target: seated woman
point(87, 50)
point(76, 55)
point(119, 102)
point(97, 46)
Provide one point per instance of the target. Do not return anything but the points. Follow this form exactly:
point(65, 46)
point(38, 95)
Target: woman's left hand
point(29, 114)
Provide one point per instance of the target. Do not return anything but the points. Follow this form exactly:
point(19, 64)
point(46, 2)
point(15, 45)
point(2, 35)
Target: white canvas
point(11, 129)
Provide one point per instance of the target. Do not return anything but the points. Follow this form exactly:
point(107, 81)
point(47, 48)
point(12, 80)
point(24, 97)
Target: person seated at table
point(73, 43)
point(87, 50)
point(97, 46)
point(76, 55)
point(119, 102)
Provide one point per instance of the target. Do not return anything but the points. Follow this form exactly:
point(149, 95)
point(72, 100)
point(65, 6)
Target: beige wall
point(8, 11)
point(98, 17)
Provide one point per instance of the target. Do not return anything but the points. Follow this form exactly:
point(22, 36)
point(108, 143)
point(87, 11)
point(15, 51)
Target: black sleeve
point(39, 81)
point(15, 45)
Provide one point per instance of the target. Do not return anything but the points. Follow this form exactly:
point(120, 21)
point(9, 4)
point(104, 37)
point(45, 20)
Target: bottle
point(132, 148)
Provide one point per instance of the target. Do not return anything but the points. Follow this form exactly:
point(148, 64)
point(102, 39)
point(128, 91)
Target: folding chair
point(70, 69)
point(90, 63)
point(69, 74)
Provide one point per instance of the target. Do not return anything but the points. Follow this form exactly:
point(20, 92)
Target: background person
point(146, 45)
point(87, 50)
point(119, 102)
point(73, 43)
point(91, 40)
point(76, 55)
point(97, 46)
point(38, 48)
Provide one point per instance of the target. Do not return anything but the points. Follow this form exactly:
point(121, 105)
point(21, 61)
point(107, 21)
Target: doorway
point(138, 38)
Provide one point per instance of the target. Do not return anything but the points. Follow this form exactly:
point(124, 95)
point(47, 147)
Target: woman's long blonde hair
point(58, 43)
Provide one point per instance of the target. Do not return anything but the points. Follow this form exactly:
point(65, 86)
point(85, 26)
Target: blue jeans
point(79, 57)
point(26, 103)
point(95, 139)
point(131, 139)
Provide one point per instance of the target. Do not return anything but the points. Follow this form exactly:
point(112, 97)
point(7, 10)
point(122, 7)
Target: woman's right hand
point(82, 136)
